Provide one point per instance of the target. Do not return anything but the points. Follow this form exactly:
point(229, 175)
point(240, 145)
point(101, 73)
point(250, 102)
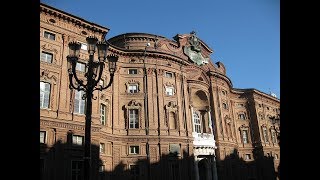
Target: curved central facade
point(168, 93)
point(171, 113)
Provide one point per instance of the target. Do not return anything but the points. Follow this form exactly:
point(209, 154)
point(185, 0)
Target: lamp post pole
point(87, 136)
point(93, 76)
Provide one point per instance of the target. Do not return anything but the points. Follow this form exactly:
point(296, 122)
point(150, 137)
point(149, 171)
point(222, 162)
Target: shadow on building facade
point(64, 161)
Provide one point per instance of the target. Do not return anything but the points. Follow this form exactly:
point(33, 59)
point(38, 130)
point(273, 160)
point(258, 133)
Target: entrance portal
point(202, 166)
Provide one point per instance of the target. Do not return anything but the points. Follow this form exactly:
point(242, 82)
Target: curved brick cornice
point(159, 46)
point(72, 19)
point(152, 54)
point(221, 76)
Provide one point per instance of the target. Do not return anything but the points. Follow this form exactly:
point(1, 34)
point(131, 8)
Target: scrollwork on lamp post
point(93, 76)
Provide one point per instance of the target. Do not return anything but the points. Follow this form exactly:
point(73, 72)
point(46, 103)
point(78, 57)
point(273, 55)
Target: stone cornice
point(255, 92)
point(221, 76)
point(72, 19)
point(152, 54)
point(66, 125)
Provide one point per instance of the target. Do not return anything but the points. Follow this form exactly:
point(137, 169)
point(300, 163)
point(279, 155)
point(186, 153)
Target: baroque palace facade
point(171, 113)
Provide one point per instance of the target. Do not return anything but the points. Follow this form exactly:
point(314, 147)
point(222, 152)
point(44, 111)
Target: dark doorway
point(202, 165)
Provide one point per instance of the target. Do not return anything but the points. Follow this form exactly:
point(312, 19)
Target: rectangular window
point(169, 91)
point(265, 135)
point(133, 119)
point(248, 156)
point(102, 148)
point(77, 140)
point(44, 95)
point(84, 46)
point(42, 136)
point(273, 136)
point(103, 114)
point(133, 88)
point(77, 170)
point(245, 136)
point(134, 150)
point(79, 103)
point(50, 36)
point(81, 67)
point(168, 75)
point(133, 71)
point(197, 123)
point(134, 172)
point(46, 57)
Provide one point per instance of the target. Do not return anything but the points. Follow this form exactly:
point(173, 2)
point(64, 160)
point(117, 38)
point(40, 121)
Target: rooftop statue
point(193, 51)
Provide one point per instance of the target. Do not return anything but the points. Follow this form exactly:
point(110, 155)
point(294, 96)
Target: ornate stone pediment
point(193, 50)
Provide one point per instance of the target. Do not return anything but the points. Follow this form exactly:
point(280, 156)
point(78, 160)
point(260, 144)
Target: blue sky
point(244, 34)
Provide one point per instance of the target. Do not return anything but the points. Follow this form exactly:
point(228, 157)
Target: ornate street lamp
point(93, 76)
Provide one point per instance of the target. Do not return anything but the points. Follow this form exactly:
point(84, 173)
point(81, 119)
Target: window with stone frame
point(77, 140)
point(132, 86)
point(133, 71)
point(42, 137)
point(45, 89)
point(245, 136)
point(102, 148)
point(169, 91)
point(46, 57)
point(273, 136)
point(79, 102)
point(244, 133)
point(103, 114)
point(134, 149)
point(81, 66)
point(49, 35)
point(169, 74)
point(133, 115)
point(197, 121)
point(265, 133)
